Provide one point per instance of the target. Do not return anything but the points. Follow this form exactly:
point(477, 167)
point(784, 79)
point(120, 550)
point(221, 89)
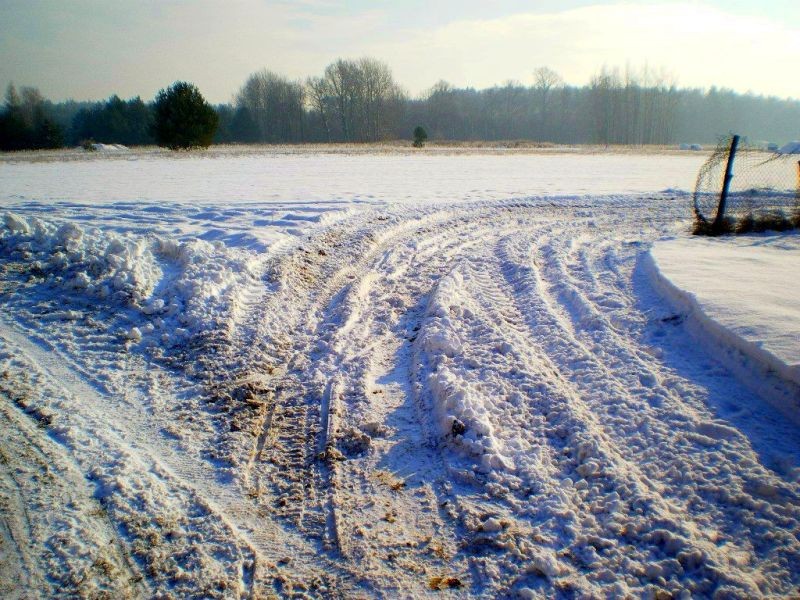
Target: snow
point(388, 376)
point(270, 177)
point(97, 147)
point(743, 293)
point(182, 287)
point(790, 148)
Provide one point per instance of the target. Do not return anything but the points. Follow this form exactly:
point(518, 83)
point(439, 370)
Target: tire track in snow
point(557, 324)
point(583, 442)
point(293, 400)
point(331, 317)
point(191, 483)
point(675, 424)
point(615, 375)
point(379, 312)
point(322, 384)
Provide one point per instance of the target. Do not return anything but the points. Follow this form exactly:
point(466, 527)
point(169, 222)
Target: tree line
point(359, 101)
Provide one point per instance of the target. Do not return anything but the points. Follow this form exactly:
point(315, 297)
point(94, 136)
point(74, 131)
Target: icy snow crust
point(481, 399)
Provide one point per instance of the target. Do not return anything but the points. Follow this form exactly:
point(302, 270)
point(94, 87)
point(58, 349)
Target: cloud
point(701, 45)
point(92, 48)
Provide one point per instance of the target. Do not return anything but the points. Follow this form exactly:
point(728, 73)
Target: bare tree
point(377, 91)
point(318, 94)
point(275, 104)
point(342, 79)
point(13, 100)
point(365, 97)
point(442, 110)
point(545, 81)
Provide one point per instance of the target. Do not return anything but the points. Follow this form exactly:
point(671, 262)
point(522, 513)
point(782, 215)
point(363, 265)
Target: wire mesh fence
point(763, 191)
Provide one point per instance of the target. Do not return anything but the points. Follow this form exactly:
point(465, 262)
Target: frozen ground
point(394, 398)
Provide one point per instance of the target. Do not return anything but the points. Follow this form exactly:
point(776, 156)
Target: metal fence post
point(726, 184)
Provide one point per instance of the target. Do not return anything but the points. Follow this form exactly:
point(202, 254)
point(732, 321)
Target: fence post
point(726, 184)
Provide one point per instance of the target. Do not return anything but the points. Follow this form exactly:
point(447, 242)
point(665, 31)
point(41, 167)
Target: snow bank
point(177, 289)
point(123, 270)
point(205, 284)
point(742, 293)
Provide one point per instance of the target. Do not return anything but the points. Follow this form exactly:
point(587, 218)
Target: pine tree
point(183, 118)
point(420, 136)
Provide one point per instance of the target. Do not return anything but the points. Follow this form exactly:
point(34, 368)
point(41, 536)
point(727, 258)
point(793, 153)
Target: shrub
point(183, 118)
point(703, 227)
point(420, 136)
point(775, 221)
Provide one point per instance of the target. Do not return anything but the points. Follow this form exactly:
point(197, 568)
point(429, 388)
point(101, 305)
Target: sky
point(90, 49)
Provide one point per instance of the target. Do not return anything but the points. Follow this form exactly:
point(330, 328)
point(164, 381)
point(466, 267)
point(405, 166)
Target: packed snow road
point(483, 399)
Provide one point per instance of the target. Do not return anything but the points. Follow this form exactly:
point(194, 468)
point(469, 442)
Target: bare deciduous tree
point(318, 94)
point(365, 96)
point(545, 81)
point(275, 104)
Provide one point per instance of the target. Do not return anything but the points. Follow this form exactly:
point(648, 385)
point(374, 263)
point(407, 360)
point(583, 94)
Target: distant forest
point(359, 101)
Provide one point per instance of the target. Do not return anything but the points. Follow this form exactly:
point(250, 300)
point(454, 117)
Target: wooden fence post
point(726, 184)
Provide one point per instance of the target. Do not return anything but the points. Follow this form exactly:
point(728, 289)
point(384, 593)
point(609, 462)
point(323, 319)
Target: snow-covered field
point(392, 376)
point(291, 176)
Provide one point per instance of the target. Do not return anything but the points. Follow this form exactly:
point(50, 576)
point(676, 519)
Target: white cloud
point(699, 44)
point(90, 49)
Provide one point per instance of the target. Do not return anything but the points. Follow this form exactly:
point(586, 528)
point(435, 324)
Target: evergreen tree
point(420, 136)
point(115, 122)
point(14, 132)
point(48, 134)
point(24, 123)
point(183, 118)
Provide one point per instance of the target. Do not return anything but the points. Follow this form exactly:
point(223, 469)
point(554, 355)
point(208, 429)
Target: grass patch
point(390, 480)
point(750, 223)
point(768, 222)
point(709, 228)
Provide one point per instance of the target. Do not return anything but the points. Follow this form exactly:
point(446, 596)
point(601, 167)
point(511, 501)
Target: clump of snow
point(201, 286)
point(97, 147)
point(120, 269)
